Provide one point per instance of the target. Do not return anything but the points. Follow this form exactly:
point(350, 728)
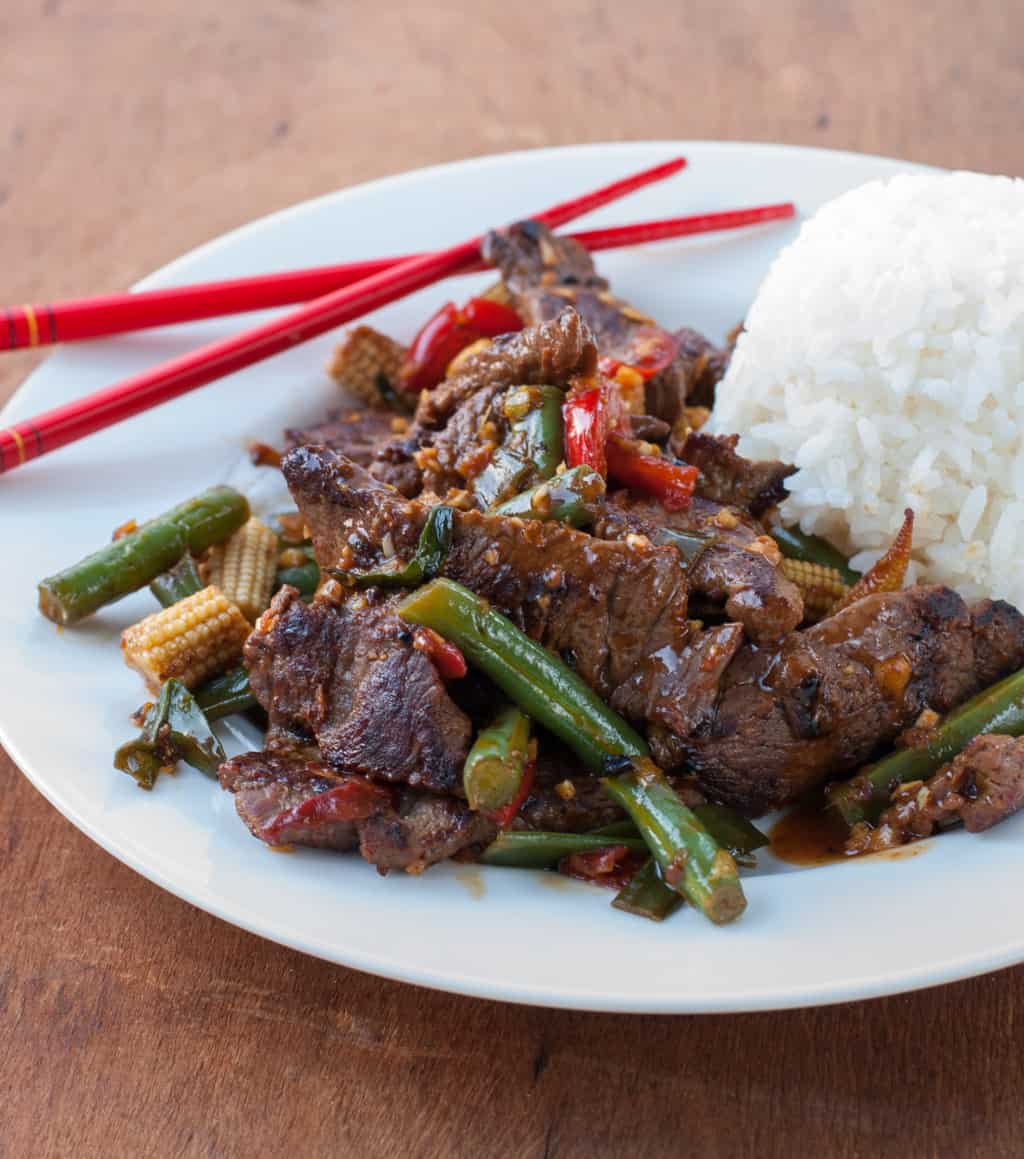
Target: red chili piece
point(671, 483)
point(503, 816)
point(612, 866)
point(448, 332)
point(585, 416)
point(650, 350)
point(444, 655)
point(355, 800)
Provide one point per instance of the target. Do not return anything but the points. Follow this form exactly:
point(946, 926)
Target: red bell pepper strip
point(445, 655)
point(448, 332)
point(354, 800)
point(489, 319)
point(671, 483)
point(585, 416)
point(503, 816)
point(651, 349)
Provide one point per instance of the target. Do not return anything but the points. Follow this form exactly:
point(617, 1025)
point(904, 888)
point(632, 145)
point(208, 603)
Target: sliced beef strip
point(741, 565)
point(265, 785)
point(544, 272)
point(357, 434)
point(981, 786)
point(451, 420)
point(604, 606)
point(726, 477)
point(411, 831)
point(350, 678)
point(831, 697)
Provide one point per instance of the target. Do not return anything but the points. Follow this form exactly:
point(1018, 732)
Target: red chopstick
point(74, 320)
point(32, 438)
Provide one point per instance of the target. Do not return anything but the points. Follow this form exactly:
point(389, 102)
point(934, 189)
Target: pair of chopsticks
point(339, 293)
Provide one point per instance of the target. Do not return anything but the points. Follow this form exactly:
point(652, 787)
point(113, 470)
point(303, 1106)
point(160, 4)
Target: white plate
point(810, 936)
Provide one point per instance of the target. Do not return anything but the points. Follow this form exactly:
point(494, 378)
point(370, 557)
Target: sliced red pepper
point(489, 319)
point(444, 655)
point(447, 333)
point(612, 866)
point(354, 800)
point(503, 816)
point(671, 483)
point(650, 350)
point(438, 341)
point(585, 416)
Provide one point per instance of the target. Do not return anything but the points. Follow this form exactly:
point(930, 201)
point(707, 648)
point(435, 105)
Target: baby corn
point(192, 640)
point(366, 362)
point(821, 587)
point(244, 567)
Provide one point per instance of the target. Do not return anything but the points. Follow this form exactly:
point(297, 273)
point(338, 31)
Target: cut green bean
point(495, 764)
point(533, 849)
point(226, 695)
point(796, 544)
point(180, 582)
point(646, 895)
point(731, 830)
point(136, 559)
point(572, 498)
point(175, 729)
point(530, 676)
point(690, 859)
point(998, 709)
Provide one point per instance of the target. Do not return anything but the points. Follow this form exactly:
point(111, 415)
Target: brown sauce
point(812, 835)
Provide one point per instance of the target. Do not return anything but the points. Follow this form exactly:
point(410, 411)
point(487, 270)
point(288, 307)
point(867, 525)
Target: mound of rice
point(884, 356)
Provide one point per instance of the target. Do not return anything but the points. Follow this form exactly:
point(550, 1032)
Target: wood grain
point(135, 1025)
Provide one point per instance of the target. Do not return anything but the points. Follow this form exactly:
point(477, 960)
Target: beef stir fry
point(527, 612)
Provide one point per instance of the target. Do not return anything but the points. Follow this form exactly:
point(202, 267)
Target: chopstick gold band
point(33, 325)
point(18, 442)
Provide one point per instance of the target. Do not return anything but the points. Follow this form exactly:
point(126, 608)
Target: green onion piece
point(175, 729)
point(431, 552)
point(646, 895)
point(226, 695)
point(180, 582)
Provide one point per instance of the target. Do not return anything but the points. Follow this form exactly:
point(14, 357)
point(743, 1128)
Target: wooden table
point(136, 1026)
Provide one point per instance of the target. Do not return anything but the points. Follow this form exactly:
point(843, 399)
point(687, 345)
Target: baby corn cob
point(192, 640)
point(821, 587)
point(366, 362)
point(244, 567)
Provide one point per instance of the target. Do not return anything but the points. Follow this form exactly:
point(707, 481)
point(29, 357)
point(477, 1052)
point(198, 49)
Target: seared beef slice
point(350, 678)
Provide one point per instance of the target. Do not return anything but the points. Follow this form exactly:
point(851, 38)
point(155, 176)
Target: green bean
point(495, 764)
point(646, 895)
point(690, 859)
point(998, 709)
point(137, 558)
point(534, 849)
point(226, 695)
point(178, 583)
point(174, 729)
point(570, 498)
point(796, 544)
point(530, 676)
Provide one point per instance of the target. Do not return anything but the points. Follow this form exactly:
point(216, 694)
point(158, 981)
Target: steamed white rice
point(884, 356)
